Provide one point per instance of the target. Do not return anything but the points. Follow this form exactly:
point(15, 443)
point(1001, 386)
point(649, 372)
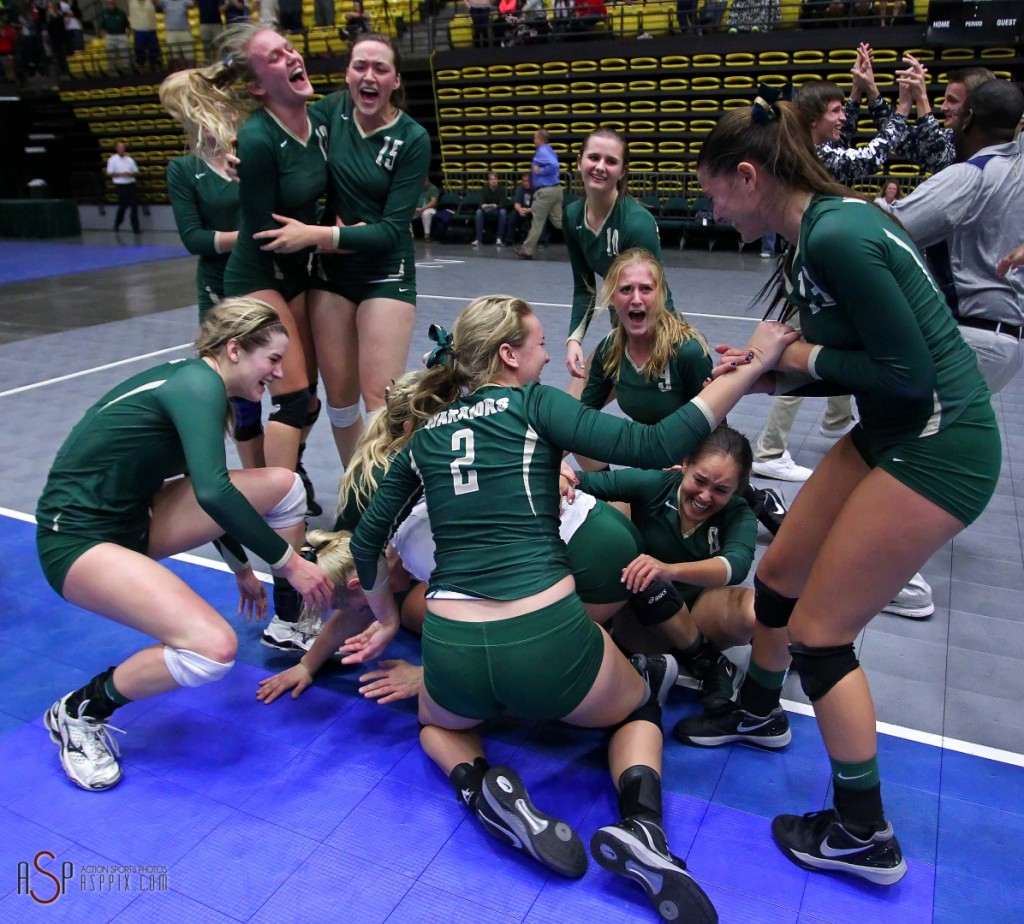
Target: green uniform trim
point(161, 423)
point(203, 203)
point(653, 497)
point(628, 225)
point(279, 174)
point(489, 465)
point(641, 399)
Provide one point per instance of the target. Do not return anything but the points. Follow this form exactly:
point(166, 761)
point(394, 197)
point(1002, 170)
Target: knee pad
point(291, 408)
point(820, 669)
point(290, 509)
point(771, 609)
point(193, 670)
point(343, 417)
point(314, 415)
point(658, 604)
point(248, 419)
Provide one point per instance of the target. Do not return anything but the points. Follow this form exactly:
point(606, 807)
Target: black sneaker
point(659, 673)
point(720, 686)
point(638, 849)
point(819, 841)
point(708, 731)
point(770, 508)
point(512, 817)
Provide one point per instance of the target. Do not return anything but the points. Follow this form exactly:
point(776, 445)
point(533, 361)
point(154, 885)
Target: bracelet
point(335, 237)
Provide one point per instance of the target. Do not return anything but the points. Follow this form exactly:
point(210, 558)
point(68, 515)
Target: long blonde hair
point(248, 320)
point(670, 331)
point(473, 360)
point(212, 102)
point(386, 434)
point(333, 556)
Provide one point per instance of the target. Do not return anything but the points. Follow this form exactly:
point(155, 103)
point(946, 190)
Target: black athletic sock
point(100, 697)
point(287, 601)
point(468, 780)
point(640, 794)
point(756, 697)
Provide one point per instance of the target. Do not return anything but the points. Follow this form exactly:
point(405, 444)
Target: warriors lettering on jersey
point(483, 408)
point(321, 137)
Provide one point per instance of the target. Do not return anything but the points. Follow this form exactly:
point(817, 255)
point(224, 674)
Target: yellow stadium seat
point(556, 109)
point(808, 57)
point(501, 71)
point(554, 68)
point(672, 125)
point(704, 105)
point(773, 58)
point(502, 128)
point(555, 89)
point(641, 166)
point(735, 103)
point(737, 82)
point(523, 89)
point(643, 64)
point(707, 60)
point(613, 124)
point(503, 112)
point(842, 56)
point(448, 74)
point(884, 56)
point(584, 108)
point(988, 53)
point(451, 150)
point(528, 112)
point(612, 86)
point(449, 112)
point(702, 125)
point(614, 107)
point(582, 128)
point(527, 69)
point(740, 59)
point(641, 127)
point(582, 87)
point(642, 86)
point(503, 90)
point(705, 83)
point(612, 64)
point(674, 148)
point(675, 61)
point(501, 149)
point(922, 54)
point(674, 105)
point(583, 66)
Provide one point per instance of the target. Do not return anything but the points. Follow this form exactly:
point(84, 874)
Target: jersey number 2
point(463, 476)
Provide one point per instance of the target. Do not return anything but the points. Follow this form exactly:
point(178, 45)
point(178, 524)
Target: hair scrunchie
point(765, 108)
point(444, 352)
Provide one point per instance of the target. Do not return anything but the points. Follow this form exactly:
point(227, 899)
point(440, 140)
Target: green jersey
point(883, 326)
point(591, 251)
point(204, 203)
point(640, 398)
point(731, 534)
point(279, 174)
point(376, 179)
point(159, 424)
point(489, 466)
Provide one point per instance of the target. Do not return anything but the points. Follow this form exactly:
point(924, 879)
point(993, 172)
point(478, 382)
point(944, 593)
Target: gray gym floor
point(956, 678)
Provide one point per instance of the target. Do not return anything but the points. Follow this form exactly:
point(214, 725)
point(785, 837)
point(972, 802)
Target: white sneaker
point(499, 244)
point(87, 752)
point(834, 433)
point(914, 601)
point(781, 469)
point(474, 244)
point(766, 255)
point(292, 636)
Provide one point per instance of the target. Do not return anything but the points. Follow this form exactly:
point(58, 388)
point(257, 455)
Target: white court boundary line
point(445, 298)
point(75, 375)
point(884, 728)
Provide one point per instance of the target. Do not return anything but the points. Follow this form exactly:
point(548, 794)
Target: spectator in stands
point(888, 194)
point(753, 15)
point(57, 34)
point(588, 14)
point(480, 13)
point(546, 181)
point(535, 17)
point(266, 12)
point(323, 12)
point(122, 170)
point(426, 206)
point(977, 209)
point(289, 15)
point(178, 36)
point(73, 25)
point(890, 10)
point(142, 19)
point(491, 211)
point(8, 48)
point(521, 212)
point(356, 20)
point(235, 11)
point(211, 24)
point(113, 26)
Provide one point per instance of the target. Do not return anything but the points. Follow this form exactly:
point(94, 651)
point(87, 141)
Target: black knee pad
point(771, 609)
point(291, 408)
point(820, 669)
point(248, 417)
point(313, 415)
point(648, 712)
point(659, 603)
